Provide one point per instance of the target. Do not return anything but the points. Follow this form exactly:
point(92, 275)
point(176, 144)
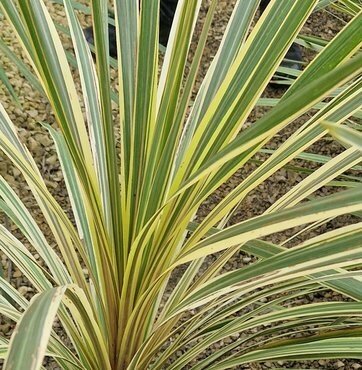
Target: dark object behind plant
point(167, 12)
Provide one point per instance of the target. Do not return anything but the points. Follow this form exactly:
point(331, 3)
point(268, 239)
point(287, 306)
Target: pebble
point(51, 184)
point(10, 179)
point(33, 145)
point(16, 172)
point(5, 328)
point(44, 140)
point(3, 166)
point(23, 290)
point(33, 113)
point(52, 159)
point(17, 274)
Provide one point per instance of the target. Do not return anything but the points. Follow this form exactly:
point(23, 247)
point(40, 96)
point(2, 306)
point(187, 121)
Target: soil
point(34, 108)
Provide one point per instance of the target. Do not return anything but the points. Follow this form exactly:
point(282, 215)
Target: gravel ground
point(34, 108)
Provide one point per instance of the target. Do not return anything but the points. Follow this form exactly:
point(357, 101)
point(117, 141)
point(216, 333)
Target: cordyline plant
point(134, 207)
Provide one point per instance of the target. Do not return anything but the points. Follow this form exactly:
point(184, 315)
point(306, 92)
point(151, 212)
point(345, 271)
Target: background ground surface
point(35, 108)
